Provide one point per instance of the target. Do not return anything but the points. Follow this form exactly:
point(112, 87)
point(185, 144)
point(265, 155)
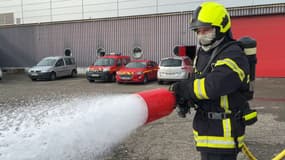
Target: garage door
point(269, 31)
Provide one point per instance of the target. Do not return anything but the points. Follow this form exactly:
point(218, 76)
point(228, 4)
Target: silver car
point(172, 69)
point(53, 67)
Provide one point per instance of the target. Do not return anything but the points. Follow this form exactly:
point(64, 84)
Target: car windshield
point(171, 62)
point(104, 62)
point(47, 62)
point(136, 65)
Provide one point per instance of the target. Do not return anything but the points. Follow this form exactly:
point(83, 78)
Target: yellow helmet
point(211, 14)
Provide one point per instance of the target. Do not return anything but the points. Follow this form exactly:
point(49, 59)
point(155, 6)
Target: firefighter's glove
point(181, 91)
point(182, 103)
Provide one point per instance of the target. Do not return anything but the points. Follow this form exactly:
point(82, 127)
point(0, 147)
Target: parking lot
point(169, 138)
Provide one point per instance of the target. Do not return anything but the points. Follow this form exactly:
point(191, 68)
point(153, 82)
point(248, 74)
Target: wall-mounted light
point(101, 52)
point(137, 53)
point(67, 52)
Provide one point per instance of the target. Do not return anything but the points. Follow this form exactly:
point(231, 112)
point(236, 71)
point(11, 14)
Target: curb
point(81, 71)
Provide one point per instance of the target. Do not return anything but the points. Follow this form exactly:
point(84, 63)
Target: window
point(59, 63)
point(136, 65)
point(171, 62)
point(47, 62)
point(69, 61)
point(119, 62)
point(154, 64)
point(125, 61)
point(187, 62)
point(104, 62)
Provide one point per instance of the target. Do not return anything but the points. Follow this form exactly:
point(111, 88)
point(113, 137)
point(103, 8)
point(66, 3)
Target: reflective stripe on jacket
point(226, 142)
point(219, 91)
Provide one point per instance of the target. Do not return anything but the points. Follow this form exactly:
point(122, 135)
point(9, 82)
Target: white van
point(53, 67)
point(172, 69)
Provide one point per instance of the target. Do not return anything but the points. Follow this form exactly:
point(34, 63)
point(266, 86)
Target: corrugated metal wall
point(157, 35)
point(24, 45)
point(258, 10)
point(17, 46)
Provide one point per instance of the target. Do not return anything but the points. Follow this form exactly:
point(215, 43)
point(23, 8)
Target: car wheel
point(52, 76)
point(145, 80)
point(73, 73)
point(160, 82)
point(90, 80)
point(113, 78)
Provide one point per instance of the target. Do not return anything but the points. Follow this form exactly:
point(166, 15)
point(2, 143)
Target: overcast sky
point(34, 11)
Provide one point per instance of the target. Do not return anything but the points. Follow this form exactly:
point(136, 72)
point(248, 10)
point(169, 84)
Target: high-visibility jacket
point(219, 91)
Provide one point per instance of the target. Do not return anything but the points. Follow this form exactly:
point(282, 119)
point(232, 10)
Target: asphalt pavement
point(169, 138)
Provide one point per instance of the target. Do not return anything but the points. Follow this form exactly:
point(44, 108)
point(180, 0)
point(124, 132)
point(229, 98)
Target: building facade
point(156, 34)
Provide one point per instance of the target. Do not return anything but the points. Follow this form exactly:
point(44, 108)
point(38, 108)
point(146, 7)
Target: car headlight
point(31, 71)
point(106, 69)
point(45, 71)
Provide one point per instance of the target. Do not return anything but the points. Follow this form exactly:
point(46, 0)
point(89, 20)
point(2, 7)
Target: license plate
point(126, 78)
point(34, 74)
point(95, 75)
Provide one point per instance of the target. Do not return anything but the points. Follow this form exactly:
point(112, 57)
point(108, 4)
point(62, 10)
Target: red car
point(105, 68)
point(138, 71)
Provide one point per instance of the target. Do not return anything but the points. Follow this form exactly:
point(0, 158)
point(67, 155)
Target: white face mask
point(207, 39)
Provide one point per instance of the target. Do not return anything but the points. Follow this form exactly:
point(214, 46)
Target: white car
point(172, 69)
point(1, 74)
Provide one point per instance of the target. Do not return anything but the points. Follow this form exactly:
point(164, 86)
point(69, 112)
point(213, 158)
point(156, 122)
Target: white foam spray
point(81, 129)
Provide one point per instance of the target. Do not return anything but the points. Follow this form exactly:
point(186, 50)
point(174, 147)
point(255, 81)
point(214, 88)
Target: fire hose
point(247, 152)
point(280, 156)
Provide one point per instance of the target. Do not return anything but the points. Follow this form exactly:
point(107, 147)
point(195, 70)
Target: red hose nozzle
point(160, 102)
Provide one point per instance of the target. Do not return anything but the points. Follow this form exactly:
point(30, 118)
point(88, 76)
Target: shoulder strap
point(216, 52)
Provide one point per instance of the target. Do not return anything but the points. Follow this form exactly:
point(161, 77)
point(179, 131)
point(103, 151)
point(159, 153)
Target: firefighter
point(221, 73)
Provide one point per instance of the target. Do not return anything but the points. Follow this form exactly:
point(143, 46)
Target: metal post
point(22, 10)
point(50, 10)
point(117, 8)
point(156, 6)
point(82, 9)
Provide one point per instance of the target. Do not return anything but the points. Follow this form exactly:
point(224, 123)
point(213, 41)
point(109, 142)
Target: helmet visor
point(197, 24)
